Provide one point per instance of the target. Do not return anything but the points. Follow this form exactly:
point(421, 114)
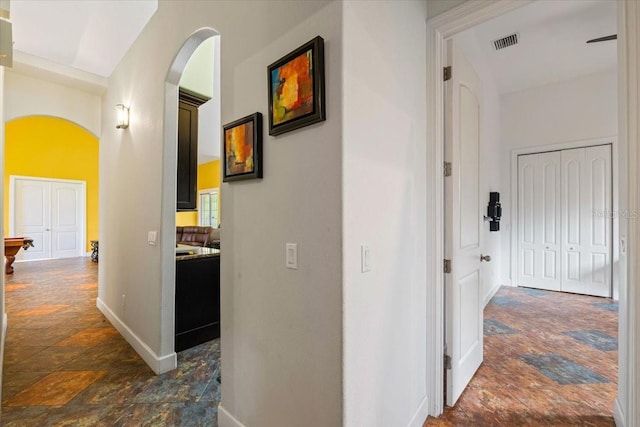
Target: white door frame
point(446, 25)
point(615, 231)
point(83, 202)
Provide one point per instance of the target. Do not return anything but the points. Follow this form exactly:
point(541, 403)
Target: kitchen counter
point(185, 252)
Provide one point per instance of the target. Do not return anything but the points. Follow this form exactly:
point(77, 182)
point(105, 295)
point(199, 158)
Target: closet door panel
point(539, 218)
point(572, 221)
point(586, 220)
point(527, 207)
point(550, 168)
point(597, 214)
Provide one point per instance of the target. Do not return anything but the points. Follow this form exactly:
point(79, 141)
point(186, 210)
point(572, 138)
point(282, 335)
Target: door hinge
point(447, 361)
point(447, 73)
point(447, 266)
point(447, 168)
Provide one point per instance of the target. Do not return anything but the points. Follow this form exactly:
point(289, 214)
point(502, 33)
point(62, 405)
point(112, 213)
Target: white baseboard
point(491, 294)
point(421, 414)
point(2, 339)
point(618, 415)
point(159, 365)
point(225, 419)
point(5, 319)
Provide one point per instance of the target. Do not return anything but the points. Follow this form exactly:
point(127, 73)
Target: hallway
point(550, 359)
point(65, 364)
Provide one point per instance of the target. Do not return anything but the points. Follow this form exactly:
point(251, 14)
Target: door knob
point(485, 258)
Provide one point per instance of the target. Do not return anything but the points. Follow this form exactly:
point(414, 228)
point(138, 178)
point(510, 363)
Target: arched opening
point(169, 177)
point(43, 150)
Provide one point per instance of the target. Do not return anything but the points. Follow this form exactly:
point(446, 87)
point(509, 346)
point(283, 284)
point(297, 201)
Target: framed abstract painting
point(296, 88)
point(242, 148)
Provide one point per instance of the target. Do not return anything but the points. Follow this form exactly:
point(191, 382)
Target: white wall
point(281, 328)
point(209, 131)
point(384, 188)
point(29, 96)
point(580, 109)
point(198, 77)
point(490, 153)
point(198, 74)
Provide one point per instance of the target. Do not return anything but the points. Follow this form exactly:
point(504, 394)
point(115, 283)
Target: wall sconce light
point(122, 118)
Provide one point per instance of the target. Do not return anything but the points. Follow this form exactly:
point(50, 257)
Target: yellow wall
point(208, 177)
point(50, 147)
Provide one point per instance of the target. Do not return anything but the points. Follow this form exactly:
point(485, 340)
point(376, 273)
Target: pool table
point(11, 247)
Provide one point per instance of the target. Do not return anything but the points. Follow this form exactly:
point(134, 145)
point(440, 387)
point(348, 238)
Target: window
point(208, 214)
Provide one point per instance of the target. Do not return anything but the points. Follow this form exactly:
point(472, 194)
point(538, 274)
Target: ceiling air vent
point(507, 41)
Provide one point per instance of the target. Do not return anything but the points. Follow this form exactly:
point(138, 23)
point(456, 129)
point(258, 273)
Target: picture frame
point(242, 149)
point(297, 89)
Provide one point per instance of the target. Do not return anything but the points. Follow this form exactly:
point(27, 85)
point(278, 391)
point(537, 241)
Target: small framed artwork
point(243, 148)
point(296, 88)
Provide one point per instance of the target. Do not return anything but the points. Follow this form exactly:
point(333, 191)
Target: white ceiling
point(552, 42)
point(91, 36)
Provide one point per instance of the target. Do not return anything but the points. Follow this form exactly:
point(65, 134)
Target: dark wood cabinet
point(187, 166)
point(197, 315)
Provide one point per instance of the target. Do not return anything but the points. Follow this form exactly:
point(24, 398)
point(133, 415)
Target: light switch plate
point(365, 258)
point(291, 256)
point(152, 237)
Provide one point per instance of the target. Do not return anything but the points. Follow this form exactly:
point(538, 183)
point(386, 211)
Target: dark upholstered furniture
point(198, 236)
point(194, 236)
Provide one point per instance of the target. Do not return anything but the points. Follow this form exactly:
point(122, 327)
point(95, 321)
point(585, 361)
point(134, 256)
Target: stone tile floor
point(64, 363)
point(550, 359)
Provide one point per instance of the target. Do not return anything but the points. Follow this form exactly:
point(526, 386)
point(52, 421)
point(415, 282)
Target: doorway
point(441, 28)
point(168, 231)
point(517, 101)
point(52, 213)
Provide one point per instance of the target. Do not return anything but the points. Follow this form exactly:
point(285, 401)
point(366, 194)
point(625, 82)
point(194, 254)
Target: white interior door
point(32, 216)
point(539, 253)
point(464, 304)
point(52, 213)
point(67, 220)
point(586, 220)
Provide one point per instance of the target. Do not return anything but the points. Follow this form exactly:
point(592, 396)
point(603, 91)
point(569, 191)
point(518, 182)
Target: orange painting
point(292, 86)
point(296, 88)
point(238, 147)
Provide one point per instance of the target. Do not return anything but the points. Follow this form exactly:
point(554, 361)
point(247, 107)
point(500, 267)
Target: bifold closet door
point(586, 220)
point(539, 254)
point(52, 213)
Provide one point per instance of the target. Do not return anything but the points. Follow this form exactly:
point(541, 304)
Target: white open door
point(463, 219)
